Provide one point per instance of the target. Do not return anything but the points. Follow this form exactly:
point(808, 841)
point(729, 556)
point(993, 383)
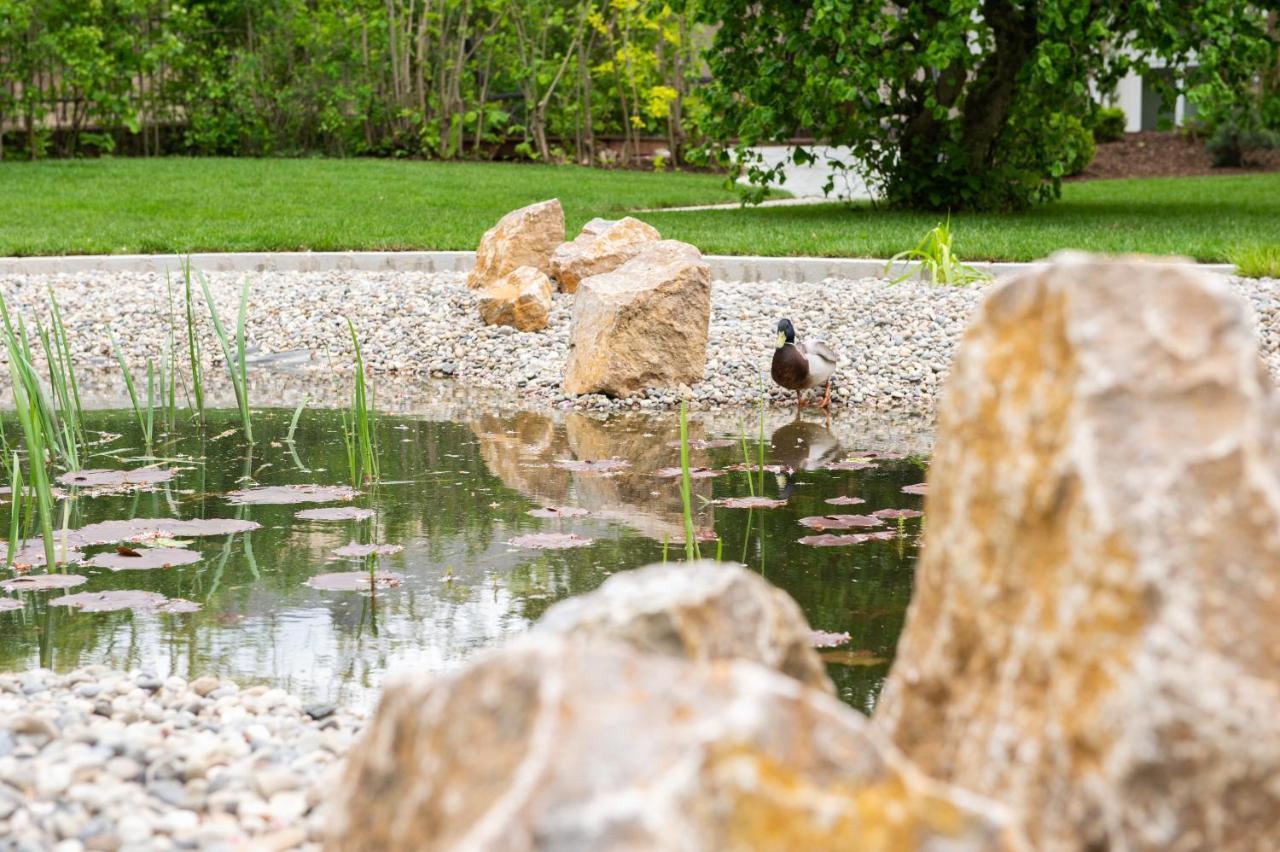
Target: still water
point(454, 494)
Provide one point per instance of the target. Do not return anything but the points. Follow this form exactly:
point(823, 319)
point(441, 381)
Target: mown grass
point(187, 205)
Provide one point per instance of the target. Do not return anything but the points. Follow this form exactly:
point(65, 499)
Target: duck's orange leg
point(826, 398)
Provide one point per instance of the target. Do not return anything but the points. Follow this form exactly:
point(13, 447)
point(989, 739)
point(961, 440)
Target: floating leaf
point(856, 464)
point(125, 599)
point(7, 604)
point(116, 479)
point(30, 553)
point(141, 560)
point(551, 541)
point(752, 503)
point(694, 472)
point(704, 444)
point(558, 512)
point(590, 466)
point(826, 639)
point(856, 657)
point(280, 495)
point(355, 581)
point(42, 582)
point(359, 551)
point(897, 514)
point(335, 513)
point(840, 522)
point(918, 488)
point(845, 501)
point(829, 540)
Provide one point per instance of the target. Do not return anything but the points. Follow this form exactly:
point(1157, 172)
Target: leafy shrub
point(1108, 124)
point(1078, 148)
point(1237, 134)
point(937, 260)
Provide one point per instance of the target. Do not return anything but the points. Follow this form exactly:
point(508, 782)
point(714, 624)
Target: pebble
point(99, 774)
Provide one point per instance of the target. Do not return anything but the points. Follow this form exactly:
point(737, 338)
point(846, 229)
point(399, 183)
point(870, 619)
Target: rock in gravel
point(643, 325)
point(1093, 638)
point(555, 744)
point(703, 610)
point(524, 237)
point(521, 299)
point(600, 249)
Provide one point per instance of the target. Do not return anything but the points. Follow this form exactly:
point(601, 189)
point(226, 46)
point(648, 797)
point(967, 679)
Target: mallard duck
point(801, 366)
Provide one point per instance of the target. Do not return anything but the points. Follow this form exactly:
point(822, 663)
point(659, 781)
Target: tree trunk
point(992, 91)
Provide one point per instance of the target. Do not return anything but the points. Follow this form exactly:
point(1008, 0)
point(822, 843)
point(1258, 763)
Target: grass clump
point(237, 367)
point(937, 260)
point(359, 424)
point(1257, 261)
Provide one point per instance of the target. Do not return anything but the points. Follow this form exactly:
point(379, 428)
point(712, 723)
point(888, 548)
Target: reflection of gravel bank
point(98, 759)
point(896, 342)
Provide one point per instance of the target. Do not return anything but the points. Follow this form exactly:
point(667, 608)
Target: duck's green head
point(786, 333)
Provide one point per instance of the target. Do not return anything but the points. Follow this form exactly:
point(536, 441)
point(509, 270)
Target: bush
point(1108, 124)
point(1078, 148)
point(1235, 136)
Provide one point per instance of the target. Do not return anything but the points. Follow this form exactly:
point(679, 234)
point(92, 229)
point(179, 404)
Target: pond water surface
point(454, 494)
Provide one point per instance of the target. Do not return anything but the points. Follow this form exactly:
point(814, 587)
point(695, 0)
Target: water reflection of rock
point(522, 450)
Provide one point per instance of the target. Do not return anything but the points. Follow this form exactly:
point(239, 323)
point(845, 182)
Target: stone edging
point(723, 267)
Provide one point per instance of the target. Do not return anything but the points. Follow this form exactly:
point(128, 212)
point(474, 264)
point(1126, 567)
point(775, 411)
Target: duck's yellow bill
point(782, 339)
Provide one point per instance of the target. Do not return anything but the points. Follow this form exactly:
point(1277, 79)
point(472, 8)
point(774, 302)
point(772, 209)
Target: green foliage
point(937, 260)
point(946, 104)
point(345, 77)
point(1257, 261)
point(1237, 92)
point(1235, 134)
point(1077, 145)
point(1108, 124)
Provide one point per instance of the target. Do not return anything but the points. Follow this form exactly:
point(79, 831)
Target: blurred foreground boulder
point(571, 740)
point(1094, 638)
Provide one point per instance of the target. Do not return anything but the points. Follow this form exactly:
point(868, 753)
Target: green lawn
point(116, 206)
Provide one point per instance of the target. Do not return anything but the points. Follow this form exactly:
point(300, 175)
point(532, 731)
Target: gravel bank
point(101, 759)
point(895, 341)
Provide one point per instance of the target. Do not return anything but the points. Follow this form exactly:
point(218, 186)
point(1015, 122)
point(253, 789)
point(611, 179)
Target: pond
point(455, 494)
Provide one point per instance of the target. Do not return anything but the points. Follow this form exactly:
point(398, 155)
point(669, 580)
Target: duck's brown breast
point(790, 368)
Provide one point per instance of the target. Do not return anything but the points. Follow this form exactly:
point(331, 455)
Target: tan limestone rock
point(1095, 634)
point(643, 325)
point(524, 237)
point(521, 298)
point(696, 611)
point(601, 247)
point(551, 744)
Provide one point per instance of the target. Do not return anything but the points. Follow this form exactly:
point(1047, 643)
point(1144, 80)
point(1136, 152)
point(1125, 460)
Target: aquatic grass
point(193, 344)
point(143, 426)
point(236, 366)
point(937, 260)
point(66, 368)
point(691, 549)
point(358, 432)
point(15, 508)
point(59, 440)
point(29, 415)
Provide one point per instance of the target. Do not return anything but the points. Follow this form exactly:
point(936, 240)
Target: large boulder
point(521, 298)
point(695, 611)
point(524, 237)
point(1095, 633)
point(643, 325)
point(601, 247)
point(556, 744)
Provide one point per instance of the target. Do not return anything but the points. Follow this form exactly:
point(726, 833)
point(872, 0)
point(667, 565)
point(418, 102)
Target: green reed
point(15, 508)
point(193, 343)
point(236, 366)
point(359, 428)
point(138, 413)
point(691, 549)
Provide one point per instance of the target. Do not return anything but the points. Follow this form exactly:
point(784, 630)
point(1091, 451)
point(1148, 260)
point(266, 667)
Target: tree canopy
point(955, 103)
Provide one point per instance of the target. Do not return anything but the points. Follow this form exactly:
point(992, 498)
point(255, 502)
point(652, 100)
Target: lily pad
point(355, 581)
point(593, 466)
point(850, 465)
point(134, 529)
point(551, 541)
point(118, 599)
point(7, 604)
point(918, 488)
point(856, 657)
point(704, 443)
point(897, 514)
point(840, 522)
point(30, 553)
point(826, 639)
point(752, 503)
point(694, 472)
point(146, 558)
point(109, 478)
point(845, 501)
point(42, 582)
point(358, 551)
point(558, 512)
point(280, 495)
point(698, 535)
point(829, 540)
point(335, 513)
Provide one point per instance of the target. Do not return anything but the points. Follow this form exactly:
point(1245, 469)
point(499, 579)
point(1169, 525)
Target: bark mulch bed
point(1160, 154)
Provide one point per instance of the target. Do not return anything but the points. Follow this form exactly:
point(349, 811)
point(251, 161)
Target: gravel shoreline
point(106, 760)
point(895, 341)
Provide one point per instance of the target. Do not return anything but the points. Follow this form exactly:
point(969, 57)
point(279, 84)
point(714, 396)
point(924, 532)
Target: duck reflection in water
point(802, 445)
